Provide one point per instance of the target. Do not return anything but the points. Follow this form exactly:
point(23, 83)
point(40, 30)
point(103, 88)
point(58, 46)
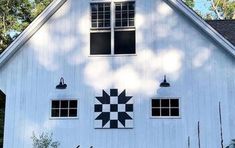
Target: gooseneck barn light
point(61, 85)
point(165, 83)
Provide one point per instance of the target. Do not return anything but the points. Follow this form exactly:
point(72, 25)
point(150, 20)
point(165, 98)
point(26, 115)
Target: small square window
point(165, 108)
point(64, 108)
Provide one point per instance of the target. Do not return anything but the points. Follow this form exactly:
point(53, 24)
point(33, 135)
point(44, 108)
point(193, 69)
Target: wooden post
point(188, 141)
point(221, 127)
point(198, 134)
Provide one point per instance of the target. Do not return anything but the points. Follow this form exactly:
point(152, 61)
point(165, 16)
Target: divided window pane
point(100, 15)
point(64, 108)
point(124, 12)
point(165, 107)
point(100, 35)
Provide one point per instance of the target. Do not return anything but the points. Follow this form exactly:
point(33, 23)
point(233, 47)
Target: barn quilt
point(113, 110)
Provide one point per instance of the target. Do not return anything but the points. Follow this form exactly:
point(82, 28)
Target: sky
point(202, 5)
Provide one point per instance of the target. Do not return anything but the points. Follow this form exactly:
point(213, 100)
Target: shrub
point(44, 141)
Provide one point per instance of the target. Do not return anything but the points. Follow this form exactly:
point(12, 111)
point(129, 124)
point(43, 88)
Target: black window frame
point(165, 107)
point(61, 108)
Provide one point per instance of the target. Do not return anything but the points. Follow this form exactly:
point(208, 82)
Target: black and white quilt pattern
point(114, 110)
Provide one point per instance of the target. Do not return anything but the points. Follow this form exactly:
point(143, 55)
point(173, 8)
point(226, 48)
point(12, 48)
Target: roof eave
point(30, 30)
point(203, 25)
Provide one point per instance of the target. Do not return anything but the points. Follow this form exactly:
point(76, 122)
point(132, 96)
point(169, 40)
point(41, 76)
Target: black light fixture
point(165, 83)
point(61, 85)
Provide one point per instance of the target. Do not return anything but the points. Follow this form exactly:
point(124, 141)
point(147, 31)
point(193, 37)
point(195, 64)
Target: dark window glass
point(156, 112)
point(100, 43)
point(73, 104)
point(165, 112)
point(118, 7)
point(155, 103)
point(64, 108)
point(118, 23)
point(124, 42)
point(55, 113)
point(64, 104)
point(100, 15)
point(165, 103)
point(64, 112)
point(73, 113)
point(174, 112)
point(124, 12)
point(165, 107)
point(55, 104)
point(174, 103)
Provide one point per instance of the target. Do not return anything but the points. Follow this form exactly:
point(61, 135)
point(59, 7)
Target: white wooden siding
point(199, 71)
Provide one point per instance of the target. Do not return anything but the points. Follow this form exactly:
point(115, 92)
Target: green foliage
point(15, 16)
point(190, 3)
point(218, 10)
point(44, 141)
point(224, 9)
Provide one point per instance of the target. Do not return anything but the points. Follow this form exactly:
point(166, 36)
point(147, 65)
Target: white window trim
point(165, 117)
point(63, 118)
point(112, 27)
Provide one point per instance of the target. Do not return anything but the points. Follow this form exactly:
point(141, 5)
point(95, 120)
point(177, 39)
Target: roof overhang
point(30, 30)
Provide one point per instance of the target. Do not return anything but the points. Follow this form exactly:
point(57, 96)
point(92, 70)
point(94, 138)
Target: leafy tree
point(190, 3)
point(223, 9)
point(219, 9)
point(15, 16)
point(44, 141)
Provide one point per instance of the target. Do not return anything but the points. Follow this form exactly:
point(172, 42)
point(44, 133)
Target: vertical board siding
point(199, 71)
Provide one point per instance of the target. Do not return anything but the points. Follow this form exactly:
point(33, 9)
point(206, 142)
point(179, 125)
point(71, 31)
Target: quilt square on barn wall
point(113, 110)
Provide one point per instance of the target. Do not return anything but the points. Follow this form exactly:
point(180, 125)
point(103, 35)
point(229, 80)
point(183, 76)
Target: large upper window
point(120, 32)
point(125, 14)
point(100, 36)
point(100, 15)
point(165, 107)
point(64, 108)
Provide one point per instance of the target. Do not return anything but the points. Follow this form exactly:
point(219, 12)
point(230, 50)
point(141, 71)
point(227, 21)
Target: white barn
point(113, 55)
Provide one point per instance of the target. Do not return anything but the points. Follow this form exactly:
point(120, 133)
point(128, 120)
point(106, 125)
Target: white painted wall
point(200, 72)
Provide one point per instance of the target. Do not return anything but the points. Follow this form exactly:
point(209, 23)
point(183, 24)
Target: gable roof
point(203, 25)
point(56, 4)
point(30, 30)
point(225, 28)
